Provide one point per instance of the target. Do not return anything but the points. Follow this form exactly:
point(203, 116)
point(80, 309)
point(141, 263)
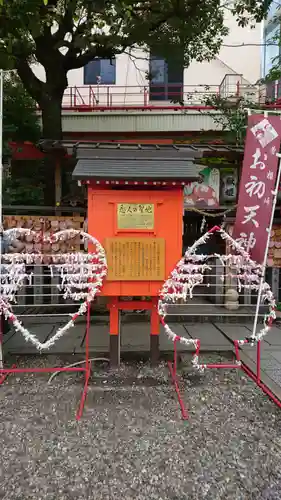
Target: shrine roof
point(135, 168)
point(195, 150)
point(86, 148)
point(108, 161)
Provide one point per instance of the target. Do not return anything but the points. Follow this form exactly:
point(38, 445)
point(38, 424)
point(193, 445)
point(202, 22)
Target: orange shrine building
point(135, 209)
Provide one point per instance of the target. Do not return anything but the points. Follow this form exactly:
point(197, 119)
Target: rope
point(210, 214)
point(76, 364)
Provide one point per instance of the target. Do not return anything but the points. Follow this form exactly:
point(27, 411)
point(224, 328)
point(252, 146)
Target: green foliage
point(22, 191)
point(249, 10)
point(215, 161)
point(20, 122)
point(232, 117)
point(67, 34)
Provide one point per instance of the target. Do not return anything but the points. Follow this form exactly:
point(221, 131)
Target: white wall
point(131, 79)
point(129, 88)
point(245, 60)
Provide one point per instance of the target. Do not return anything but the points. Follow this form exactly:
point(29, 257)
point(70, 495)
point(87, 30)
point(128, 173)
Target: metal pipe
point(1, 206)
point(267, 243)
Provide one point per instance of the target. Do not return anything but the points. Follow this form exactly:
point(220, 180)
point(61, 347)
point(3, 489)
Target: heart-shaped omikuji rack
point(189, 273)
point(82, 275)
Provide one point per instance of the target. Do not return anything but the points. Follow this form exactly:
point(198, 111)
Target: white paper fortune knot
point(81, 274)
point(189, 273)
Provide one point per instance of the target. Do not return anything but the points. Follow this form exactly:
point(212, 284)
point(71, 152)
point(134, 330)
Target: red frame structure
point(101, 97)
point(5, 372)
point(256, 377)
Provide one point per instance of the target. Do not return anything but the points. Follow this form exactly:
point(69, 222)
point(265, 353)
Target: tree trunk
point(51, 118)
point(49, 96)
point(51, 129)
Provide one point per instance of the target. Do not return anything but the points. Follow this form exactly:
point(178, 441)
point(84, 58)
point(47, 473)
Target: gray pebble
point(131, 443)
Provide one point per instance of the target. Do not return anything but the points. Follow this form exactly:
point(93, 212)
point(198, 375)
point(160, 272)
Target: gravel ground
point(131, 442)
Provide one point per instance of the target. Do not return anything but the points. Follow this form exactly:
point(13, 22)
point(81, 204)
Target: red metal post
point(173, 371)
point(238, 89)
point(145, 96)
point(259, 362)
point(154, 319)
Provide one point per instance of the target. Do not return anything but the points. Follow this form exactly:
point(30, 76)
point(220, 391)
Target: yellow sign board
point(135, 259)
point(135, 216)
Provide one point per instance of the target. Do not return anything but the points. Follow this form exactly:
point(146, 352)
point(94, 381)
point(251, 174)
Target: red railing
point(88, 97)
point(273, 91)
point(153, 97)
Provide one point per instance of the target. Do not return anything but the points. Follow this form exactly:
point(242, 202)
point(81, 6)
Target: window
point(103, 68)
point(158, 70)
point(274, 7)
point(271, 50)
point(166, 79)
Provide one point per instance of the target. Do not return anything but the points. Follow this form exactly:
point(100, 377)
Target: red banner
point(257, 182)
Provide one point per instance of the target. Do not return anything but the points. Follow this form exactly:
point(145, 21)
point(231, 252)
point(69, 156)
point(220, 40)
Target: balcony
point(172, 97)
point(135, 97)
point(149, 109)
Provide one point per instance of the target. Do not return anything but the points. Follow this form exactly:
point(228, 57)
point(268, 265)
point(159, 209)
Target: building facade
point(138, 81)
point(271, 47)
point(138, 78)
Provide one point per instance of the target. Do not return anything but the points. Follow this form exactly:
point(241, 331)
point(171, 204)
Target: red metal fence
point(172, 96)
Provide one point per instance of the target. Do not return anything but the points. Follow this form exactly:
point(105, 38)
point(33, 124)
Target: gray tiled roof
point(134, 151)
point(135, 167)
point(194, 149)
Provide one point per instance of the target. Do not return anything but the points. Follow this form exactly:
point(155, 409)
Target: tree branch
point(75, 62)
point(66, 24)
point(33, 85)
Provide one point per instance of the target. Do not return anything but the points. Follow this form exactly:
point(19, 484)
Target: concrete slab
point(71, 341)
point(274, 336)
point(135, 335)
point(198, 306)
point(99, 336)
point(45, 318)
point(138, 337)
point(276, 354)
point(270, 364)
point(8, 336)
point(166, 344)
point(278, 325)
point(275, 375)
point(234, 332)
point(208, 334)
point(18, 344)
point(269, 378)
point(251, 351)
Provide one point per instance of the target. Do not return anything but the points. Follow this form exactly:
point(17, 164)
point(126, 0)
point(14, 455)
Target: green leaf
point(182, 30)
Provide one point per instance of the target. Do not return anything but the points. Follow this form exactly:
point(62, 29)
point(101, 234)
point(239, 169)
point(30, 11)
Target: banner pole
point(1, 208)
point(274, 200)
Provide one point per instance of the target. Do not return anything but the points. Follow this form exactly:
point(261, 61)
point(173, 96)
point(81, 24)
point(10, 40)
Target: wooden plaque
point(135, 216)
point(47, 224)
point(135, 259)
